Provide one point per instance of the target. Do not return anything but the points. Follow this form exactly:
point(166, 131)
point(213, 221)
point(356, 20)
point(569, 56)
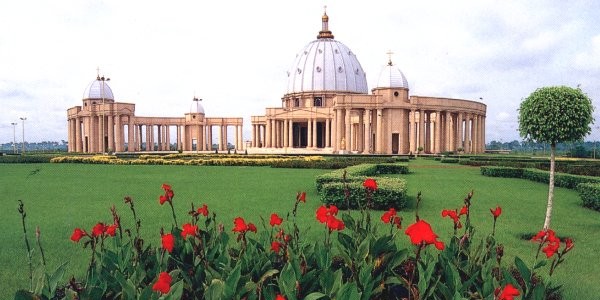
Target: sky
point(235, 54)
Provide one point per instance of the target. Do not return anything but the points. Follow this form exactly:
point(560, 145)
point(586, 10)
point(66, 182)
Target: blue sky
point(235, 54)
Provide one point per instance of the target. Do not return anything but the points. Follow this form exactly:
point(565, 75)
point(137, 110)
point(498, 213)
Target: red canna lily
point(398, 222)
point(163, 284)
point(189, 229)
point(166, 187)
point(168, 242)
point(370, 184)
point(111, 229)
point(162, 199)
point(276, 246)
point(568, 245)
point(280, 297)
point(239, 225)
point(275, 220)
point(421, 233)
point(507, 293)
point(463, 211)
point(77, 235)
point(252, 227)
point(301, 197)
point(496, 212)
point(203, 210)
point(334, 223)
point(389, 215)
point(98, 229)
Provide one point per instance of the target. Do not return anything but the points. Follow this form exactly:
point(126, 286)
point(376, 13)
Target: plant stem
point(173, 212)
point(23, 215)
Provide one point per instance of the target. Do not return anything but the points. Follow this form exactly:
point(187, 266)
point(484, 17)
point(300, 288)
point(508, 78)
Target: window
point(296, 102)
point(318, 101)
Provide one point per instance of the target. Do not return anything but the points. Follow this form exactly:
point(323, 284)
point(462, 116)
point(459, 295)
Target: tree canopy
point(555, 114)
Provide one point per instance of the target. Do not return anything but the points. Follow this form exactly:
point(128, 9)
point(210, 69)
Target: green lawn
point(60, 197)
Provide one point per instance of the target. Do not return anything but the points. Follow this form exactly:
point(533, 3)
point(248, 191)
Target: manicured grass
point(60, 197)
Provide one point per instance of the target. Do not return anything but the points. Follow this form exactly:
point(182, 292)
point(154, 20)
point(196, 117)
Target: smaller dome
point(196, 107)
point(99, 89)
point(391, 77)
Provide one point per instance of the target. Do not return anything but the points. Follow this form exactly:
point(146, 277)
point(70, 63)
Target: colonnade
point(377, 130)
point(126, 133)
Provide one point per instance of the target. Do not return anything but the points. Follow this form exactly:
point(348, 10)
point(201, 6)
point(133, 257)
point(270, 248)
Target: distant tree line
point(589, 149)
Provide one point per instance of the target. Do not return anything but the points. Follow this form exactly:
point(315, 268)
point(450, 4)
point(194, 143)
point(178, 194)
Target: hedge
point(391, 192)
point(590, 195)
point(569, 181)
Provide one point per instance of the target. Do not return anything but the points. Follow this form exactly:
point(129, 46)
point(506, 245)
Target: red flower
point(280, 297)
point(370, 184)
point(98, 229)
point(453, 215)
point(239, 225)
point(497, 212)
point(463, 211)
point(301, 197)
point(276, 246)
point(508, 293)
point(421, 232)
point(275, 220)
point(334, 223)
point(77, 235)
point(388, 216)
point(203, 210)
point(162, 199)
point(163, 284)
point(170, 194)
point(168, 242)
point(323, 212)
point(111, 229)
point(166, 187)
point(568, 245)
point(398, 222)
point(252, 227)
point(549, 237)
point(189, 229)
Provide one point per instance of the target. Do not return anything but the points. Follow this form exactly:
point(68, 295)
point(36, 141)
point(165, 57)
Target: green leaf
point(314, 296)
point(215, 289)
point(232, 282)
point(348, 291)
point(525, 272)
point(363, 250)
point(287, 281)
point(176, 291)
point(57, 276)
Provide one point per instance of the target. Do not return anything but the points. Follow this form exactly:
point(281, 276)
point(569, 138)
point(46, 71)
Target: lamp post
point(23, 149)
point(14, 124)
point(103, 114)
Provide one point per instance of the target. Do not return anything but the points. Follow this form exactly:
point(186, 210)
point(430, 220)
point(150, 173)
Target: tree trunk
point(550, 187)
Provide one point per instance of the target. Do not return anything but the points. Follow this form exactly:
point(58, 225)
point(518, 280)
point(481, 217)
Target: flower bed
point(358, 258)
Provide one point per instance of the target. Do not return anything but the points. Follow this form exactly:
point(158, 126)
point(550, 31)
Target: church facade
point(102, 125)
point(327, 108)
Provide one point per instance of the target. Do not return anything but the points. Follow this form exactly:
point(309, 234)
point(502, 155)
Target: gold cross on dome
point(389, 53)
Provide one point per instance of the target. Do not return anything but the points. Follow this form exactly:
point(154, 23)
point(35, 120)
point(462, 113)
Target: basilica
point(327, 108)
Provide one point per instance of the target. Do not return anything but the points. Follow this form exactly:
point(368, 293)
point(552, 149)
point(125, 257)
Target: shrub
point(449, 160)
point(590, 195)
point(391, 192)
point(506, 172)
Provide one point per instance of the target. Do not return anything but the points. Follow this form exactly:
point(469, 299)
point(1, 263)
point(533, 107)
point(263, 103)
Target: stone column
point(360, 133)
point(118, 139)
point(468, 126)
point(421, 142)
point(314, 133)
point(379, 136)
point(77, 139)
point(309, 133)
point(438, 132)
point(475, 134)
point(339, 129)
point(328, 133)
point(348, 132)
point(482, 133)
point(290, 133)
point(412, 131)
point(368, 132)
point(459, 131)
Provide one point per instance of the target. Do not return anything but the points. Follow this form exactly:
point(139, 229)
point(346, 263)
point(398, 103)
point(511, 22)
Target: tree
point(553, 115)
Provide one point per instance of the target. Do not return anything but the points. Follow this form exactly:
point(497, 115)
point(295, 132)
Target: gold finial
point(325, 33)
point(97, 73)
point(389, 53)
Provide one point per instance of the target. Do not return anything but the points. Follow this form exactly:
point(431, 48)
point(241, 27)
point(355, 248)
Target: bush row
point(576, 167)
point(206, 161)
point(569, 181)
point(24, 159)
point(391, 192)
point(590, 195)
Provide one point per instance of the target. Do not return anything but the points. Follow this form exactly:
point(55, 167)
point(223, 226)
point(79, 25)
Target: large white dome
point(98, 89)
point(326, 65)
point(391, 77)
